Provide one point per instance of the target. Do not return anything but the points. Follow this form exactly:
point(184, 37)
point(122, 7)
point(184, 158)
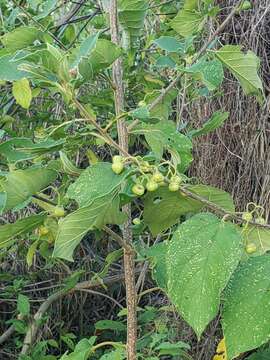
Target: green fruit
point(136, 221)
point(138, 189)
point(59, 211)
point(176, 179)
point(151, 185)
point(158, 177)
point(117, 159)
point(117, 167)
point(43, 230)
point(173, 186)
point(251, 248)
point(247, 216)
point(260, 220)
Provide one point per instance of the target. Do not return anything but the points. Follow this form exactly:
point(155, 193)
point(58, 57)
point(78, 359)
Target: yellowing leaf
point(221, 353)
point(22, 92)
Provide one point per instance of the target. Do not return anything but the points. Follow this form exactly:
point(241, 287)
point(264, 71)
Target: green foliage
point(62, 122)
point(205, 251)
point(244, 67)
point(246, 307)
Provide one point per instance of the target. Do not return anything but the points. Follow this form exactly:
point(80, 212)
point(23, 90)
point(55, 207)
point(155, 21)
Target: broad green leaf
point(188, 22)
point(163, 208)
point(101, 211)
point(96, 181)
point(23, 305)
point(110, 325)
point(158, 255)
point(214, 195)
point(244, 66)
point(84, 49)
point(9, 69)
point(102, 56)
point(20, 185)
point(9, 231)
point(20, 149)
point(169, 43)
point(173, 349)
point(131, 16)
point(20, 38)
point(246, 312)
point(164, 136)
point(141, 113)
point(81, 351)
point(202, 255)
point(162, 110)
point(165, 62)
point(21, 90)
point(216, 121)
point(210, 73)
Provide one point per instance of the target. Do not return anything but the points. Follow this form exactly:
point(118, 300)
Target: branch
point(31, 334)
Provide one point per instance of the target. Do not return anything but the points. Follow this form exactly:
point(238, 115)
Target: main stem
point(129, 254)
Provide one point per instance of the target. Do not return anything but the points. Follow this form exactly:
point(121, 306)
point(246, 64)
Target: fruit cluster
point(150, 177)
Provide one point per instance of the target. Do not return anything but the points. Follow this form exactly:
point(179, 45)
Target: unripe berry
point(117, 167)
point(136, 221)
point(138, 189)
point(247, 216)
point(59, 211)
point(151, 185)
point(173, 186)
point(251, 248)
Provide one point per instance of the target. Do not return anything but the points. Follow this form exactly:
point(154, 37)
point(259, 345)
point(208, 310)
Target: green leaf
point(188, 22)
point(102, 56)
point(202, 255)
point(81, 351)
point(214, 195)
point(22, 92)
point(84, 50)
point(20, 149)
point(162, 110)
point(210, 73)
point(158, 255)
point(96, 181)
point(165, 61)
point(9, 231)
point(246, 312)
point(19, 185)
point(23, 305)
point(21, 37)
point(131, 16)
point(170, 44)
point(216, 121)
point(164, 136)
point(141, 113)
point(9, 69)
point(163, 208)
point(110, 325)
point(46, 9)
point(244, 66)
point(118, 354)
point(101, 211)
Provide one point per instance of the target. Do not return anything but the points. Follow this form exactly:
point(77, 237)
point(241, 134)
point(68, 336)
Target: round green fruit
point(43, 230)
point(173, 186)
point(117, 167)
point(138, 189)
point(117, 159)
point(151, 186)
point(59, 211)
point(136, 221)
point(251, 248)
point(158, 177)
point(246, 216)
point(246, 6)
